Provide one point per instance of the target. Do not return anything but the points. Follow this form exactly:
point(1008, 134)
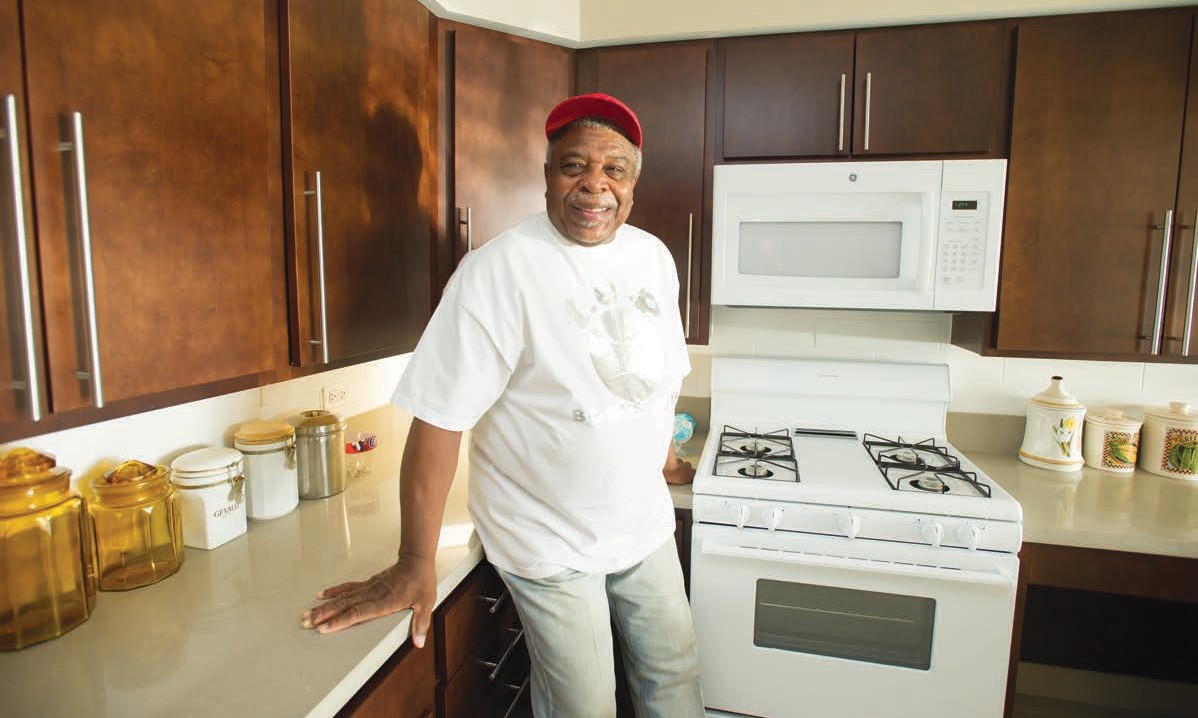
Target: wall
point(160, 436)
point(986, 385)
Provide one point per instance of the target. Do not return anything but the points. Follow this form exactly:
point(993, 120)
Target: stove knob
point(850, 525)
point(933, 532)
point(742, 517)
point(972, 536)
point(775, 519)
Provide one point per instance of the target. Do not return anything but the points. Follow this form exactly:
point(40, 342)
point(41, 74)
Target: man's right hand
point(410, 583)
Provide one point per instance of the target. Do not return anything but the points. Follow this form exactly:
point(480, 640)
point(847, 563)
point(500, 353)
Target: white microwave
point(859, 235)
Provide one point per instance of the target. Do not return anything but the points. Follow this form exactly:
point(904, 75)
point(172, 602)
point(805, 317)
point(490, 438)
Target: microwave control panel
point(961, 249)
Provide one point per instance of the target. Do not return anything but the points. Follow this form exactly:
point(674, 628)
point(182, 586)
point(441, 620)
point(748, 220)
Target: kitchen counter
point(1137, 513)
point(222, 637)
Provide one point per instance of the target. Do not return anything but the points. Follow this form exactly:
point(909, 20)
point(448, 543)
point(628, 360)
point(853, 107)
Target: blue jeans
point(567, 622)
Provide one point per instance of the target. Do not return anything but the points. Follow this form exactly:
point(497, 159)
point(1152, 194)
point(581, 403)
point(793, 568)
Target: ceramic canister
point(211, 487)
point(1169, 446)
point(1052, 438)
point(1111, 441)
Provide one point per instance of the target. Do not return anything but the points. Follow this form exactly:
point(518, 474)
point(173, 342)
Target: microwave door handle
point(796, 558)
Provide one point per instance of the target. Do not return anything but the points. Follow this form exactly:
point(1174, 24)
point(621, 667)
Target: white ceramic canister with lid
point(1111, 441)
point(211, 495)
point(271, 479)
point(1052, 438)
point(1169, 446)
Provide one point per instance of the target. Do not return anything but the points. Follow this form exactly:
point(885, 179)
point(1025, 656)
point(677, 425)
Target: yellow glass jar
point(47, 559)
point(139, 530)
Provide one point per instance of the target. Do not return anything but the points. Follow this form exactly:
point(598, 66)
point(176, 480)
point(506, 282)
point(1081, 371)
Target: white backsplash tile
point(1164, 383)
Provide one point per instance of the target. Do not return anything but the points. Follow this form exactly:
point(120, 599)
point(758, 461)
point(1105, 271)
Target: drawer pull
point(495, 603)
point(497, 666)
point(519, 689)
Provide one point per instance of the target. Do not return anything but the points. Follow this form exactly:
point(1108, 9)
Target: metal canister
point(320, 451)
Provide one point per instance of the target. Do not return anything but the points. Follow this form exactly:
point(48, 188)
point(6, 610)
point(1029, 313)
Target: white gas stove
point(840, 543)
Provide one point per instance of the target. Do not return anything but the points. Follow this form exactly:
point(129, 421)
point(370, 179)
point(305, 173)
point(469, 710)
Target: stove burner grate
point(756, 455)
point(921, 466)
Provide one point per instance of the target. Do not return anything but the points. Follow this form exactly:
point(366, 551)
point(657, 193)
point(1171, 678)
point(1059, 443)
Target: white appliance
point(858, 235)
point(846, 560)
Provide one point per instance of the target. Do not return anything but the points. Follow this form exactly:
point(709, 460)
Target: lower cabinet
point(405, 687)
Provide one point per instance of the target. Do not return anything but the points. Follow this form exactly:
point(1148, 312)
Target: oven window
point(885, 628)
point(838, 250)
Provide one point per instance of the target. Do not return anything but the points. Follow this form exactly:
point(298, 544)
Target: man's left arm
point(676, 470)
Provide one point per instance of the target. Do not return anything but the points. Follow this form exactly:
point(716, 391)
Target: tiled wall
point(160, 436)
point(986, 385)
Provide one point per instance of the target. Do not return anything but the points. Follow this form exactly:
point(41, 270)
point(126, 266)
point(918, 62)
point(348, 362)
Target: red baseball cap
point(596, 104)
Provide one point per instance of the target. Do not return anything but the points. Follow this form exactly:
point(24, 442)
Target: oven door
point(798, 624)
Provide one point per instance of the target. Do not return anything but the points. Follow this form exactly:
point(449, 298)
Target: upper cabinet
point(928, 90)
point(501, 88)
point(666, 85)
point(1099, 245)
point(138, 229)
point(360, 165)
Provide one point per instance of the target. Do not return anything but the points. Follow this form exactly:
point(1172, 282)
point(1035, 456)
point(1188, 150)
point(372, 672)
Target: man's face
point(588, 183)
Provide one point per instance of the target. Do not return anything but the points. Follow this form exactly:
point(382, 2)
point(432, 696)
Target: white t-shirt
point(566, 362)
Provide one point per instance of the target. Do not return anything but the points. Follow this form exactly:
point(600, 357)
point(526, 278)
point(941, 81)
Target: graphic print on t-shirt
point(624, 346)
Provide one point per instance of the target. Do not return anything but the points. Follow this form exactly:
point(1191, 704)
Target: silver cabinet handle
point(1158, 321)
point(85, 246)
point(690, 247)
point(466, 226)
point(520, 690)
point(1189, 326)
point(868, 90)
point(495, 603)
point(840, 121)
point(497, 666)
point(318, 195)
point(33, 383)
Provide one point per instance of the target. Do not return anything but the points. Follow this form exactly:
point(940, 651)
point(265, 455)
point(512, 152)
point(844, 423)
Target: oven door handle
point(859, 564)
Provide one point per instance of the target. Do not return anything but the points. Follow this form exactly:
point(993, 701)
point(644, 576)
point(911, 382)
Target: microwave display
point(965, 204)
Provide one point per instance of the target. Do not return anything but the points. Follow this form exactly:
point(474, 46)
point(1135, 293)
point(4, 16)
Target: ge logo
point(853, 177)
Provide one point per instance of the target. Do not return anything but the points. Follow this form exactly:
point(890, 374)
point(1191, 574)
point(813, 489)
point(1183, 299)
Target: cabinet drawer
point(473, 692)
point(472, 619)
point(404, 687)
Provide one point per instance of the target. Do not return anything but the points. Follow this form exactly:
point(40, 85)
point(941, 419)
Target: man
point(559, 345)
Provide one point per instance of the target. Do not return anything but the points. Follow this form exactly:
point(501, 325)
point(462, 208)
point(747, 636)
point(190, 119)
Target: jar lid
point(319, 422)
point(22, 466)
point(1113, 418)
point(201, 464)
point(253, 433)
point(1177, 412)
point(1056, 396)
point(30, 480)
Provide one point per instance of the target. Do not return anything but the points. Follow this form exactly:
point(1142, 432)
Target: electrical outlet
point(334, 395)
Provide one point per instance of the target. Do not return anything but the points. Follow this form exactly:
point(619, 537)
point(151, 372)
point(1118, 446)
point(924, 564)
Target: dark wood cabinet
point(1093, 199)
point(928, 90)
point(404, 687)
point(666, 85)
point(360, 107)
point(501, 88)
point(150, 145)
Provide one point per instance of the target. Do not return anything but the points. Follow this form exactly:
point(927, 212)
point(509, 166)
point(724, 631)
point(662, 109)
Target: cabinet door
point(404, 687)
point(787, 95)
point(931, 90)
point(22, 393)
point(503, 87)
point(1180, 335)
point(360, 105)
point(666, 86)
point(1095, 145)
point(161, 110)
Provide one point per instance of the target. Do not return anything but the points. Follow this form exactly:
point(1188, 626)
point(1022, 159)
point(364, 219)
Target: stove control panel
point(859, 524)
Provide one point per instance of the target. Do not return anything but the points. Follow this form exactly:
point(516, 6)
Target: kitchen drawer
point(472, 618)
point(473, 692)
point(404, 687)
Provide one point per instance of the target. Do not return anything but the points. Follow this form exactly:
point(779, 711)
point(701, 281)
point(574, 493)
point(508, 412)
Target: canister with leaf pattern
point(1170, 442)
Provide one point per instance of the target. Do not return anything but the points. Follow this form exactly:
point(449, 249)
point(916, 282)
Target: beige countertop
point(221, 637)
point(1138, 512)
